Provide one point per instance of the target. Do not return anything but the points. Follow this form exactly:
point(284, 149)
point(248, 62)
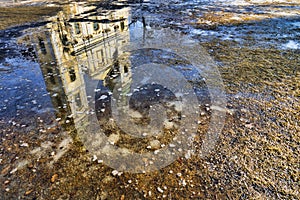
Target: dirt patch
point(13, 16)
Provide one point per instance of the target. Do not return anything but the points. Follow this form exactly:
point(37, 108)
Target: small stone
point(122, 197)
point(188, 154)
point(113, 138)
point(24, 145)
point(13, 171)
point(160, 190)
point(53, 178)
point(155, 144)
point(28, 192)
point(250, 126)
point(114, 172)
point(5, 170)
point(183, 183)
point(172, 145)
point(94, 158)
point(168, 125)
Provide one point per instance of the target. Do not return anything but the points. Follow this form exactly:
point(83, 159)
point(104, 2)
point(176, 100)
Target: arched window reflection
point(78, 101)
point(122, 24)
point(72, 74)
point(96, 26)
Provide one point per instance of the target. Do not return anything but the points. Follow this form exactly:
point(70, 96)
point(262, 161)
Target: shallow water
point(147, 100)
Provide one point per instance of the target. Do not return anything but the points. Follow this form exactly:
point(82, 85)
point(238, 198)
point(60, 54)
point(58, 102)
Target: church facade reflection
point(78, 48)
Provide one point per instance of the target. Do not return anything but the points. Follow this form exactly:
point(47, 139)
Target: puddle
point(149, 100)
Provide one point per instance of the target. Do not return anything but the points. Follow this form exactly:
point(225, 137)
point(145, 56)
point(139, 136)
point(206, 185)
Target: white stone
point(155, 144)
point(160, 190)
point(115, 172)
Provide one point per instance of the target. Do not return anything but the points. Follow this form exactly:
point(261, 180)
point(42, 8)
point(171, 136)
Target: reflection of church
point(80, 43)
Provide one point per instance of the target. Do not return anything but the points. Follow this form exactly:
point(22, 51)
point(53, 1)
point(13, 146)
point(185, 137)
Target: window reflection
point(96, 26)
point(78, 101)
point(77, 28)
point(72, 74)
point(42, 46)
point(122, 24)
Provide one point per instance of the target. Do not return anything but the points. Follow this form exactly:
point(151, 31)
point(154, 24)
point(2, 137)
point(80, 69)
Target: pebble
point(155, 144)
point(13, 171)
point(183, 182)
point(5, 170)
point(160, 190)
point(114, 172)
point(94, 158)
point(168, 125)
point(28, 192)
point(113, 138)
point(53, 178)
point(250, 126)
point(172, 145)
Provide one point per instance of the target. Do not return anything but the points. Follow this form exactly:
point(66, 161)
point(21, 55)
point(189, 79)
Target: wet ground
point(65, 83)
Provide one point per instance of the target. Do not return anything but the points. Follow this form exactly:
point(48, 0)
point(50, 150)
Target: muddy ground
point(10, 16)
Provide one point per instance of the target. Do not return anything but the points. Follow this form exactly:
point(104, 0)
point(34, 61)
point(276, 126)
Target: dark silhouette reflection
point(146, 95)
